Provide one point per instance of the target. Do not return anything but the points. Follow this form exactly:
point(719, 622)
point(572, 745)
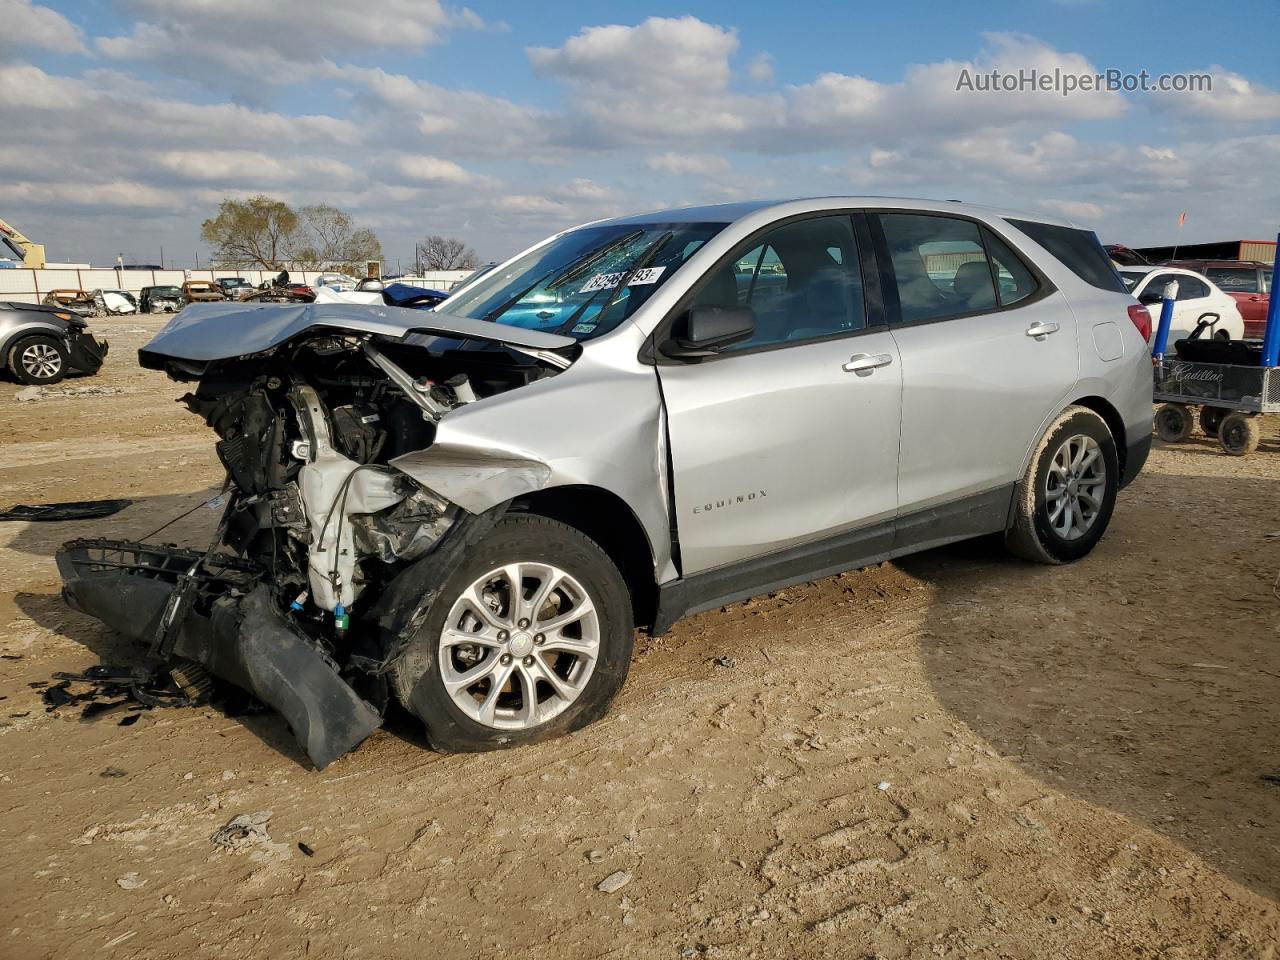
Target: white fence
point(31, 286)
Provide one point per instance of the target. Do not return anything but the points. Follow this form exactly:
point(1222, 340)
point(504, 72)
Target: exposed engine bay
point(326, 554)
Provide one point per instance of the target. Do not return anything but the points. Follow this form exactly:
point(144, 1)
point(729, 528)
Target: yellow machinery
point(11, 241)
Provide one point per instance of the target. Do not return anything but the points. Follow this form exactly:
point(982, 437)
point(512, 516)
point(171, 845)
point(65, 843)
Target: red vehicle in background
point(1247, 281)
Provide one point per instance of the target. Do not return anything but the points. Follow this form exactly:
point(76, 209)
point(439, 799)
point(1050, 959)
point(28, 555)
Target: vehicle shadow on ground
point(1147, 684)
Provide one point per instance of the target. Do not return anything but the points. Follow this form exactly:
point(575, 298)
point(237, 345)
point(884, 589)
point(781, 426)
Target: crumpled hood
point(222, 331)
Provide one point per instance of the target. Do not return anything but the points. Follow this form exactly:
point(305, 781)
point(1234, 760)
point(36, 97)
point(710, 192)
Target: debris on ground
point(32, 394)
point(72, 510)
point(595, 856)
point(244, 830)
point(724, 660)
point(614, 882)
point(130, 881)
point(104, 689)
point(113, 772)
point(306, 850)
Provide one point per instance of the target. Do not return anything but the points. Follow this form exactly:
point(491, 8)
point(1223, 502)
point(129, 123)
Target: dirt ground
point(957, 755)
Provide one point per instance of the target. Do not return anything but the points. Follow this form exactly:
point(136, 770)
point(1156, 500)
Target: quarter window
point(802, 282)
point(940, 267)
point(1014, 280)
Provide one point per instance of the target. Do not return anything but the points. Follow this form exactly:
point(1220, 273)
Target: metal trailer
point(1232, 384)
point(1230, 398)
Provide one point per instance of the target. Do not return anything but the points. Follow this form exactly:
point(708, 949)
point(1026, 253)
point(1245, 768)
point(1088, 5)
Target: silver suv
point(470, 509)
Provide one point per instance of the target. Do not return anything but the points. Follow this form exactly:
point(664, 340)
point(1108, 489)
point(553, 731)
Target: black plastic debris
point(113, 772)
point(307, 851)
point(73, 510)
point(1271, 777)
point(130, 720)
point(107, 689)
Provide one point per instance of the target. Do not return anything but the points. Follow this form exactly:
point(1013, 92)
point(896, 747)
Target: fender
point(25, 330)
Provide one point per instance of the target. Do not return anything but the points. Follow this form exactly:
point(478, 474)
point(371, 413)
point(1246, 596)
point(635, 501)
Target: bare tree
point(444, 253)
point(258, 232)
point(329, 239)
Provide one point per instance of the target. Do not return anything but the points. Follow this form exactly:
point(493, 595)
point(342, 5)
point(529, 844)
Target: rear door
point(989, 354)
point(792, 436)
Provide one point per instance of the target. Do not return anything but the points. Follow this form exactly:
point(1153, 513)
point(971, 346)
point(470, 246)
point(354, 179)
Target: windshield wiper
point(583, 264)
point(559, 275)
point(641, 262)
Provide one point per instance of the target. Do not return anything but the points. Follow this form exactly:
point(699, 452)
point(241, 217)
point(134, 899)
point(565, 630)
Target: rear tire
point(517, 700)
point(1211, 419)
point(1173, 422)
point(1239, 434)
point(1063, 503)
point(38, 360)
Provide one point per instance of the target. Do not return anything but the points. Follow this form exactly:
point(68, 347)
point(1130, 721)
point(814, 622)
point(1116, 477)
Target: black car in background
point(160, 300)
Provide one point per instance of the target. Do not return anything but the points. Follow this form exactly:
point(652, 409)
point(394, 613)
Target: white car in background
point(1197, 296)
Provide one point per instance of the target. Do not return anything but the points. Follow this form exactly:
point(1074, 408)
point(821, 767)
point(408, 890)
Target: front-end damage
point(327, 555)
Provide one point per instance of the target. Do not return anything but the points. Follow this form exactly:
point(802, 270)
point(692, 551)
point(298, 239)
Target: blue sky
point(128, 120)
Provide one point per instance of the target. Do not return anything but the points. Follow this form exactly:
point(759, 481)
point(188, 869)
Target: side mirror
point(707, 329)
point(1151, 296)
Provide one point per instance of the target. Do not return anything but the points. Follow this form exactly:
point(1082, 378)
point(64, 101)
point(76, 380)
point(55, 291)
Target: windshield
point(165, 291)
point(585, 282)
point(1131, 278)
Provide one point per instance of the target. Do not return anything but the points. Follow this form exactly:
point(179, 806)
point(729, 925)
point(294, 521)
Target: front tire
point(499, 665)
point(38, 360)
point(1063, 503)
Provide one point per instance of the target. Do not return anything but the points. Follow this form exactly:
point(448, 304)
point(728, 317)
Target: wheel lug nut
point(528, 661)
point(502, 635)
point(505, 659)
point(523, 624)
point(539, 639)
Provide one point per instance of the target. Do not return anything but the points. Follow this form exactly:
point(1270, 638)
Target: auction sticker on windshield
point(603, 281)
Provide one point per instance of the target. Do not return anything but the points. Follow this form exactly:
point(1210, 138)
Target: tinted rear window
point(1079, 251)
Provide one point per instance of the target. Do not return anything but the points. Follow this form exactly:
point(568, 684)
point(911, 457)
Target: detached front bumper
point(87, 352)
point(220, 615)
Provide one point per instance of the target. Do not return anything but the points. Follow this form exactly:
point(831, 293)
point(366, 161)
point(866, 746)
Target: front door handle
point(1041, 330)
point(860, 362)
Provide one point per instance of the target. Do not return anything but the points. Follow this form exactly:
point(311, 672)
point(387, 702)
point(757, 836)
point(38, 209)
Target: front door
point(792, 435)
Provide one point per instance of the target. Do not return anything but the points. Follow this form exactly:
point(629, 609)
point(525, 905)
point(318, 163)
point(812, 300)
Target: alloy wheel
point(519, 645)
point(41, 361)
point(1074, 487)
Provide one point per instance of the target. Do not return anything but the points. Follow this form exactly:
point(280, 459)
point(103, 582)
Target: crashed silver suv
point(471, 509)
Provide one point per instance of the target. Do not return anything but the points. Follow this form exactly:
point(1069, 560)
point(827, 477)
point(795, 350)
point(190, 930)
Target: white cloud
point(760, 69)
point(429, 169)
point(1233, 98)
point(1080, 210)
point(661, 54)
point(245, 45)
point(27, 24)
point(701, 164)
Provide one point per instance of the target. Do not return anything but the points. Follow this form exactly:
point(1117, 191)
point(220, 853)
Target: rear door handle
point(1040, 330)
point(867, 361)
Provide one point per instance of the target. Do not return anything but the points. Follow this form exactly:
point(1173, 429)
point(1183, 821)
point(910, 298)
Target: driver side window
point(801, 280)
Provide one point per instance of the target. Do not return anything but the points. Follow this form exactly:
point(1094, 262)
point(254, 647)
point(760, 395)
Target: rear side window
point(940, 267)
point(1234, 279)
point(1079, 251)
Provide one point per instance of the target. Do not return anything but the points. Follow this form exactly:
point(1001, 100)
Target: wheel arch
point(608, 520)
point(30, 328)
point(1115, 423)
